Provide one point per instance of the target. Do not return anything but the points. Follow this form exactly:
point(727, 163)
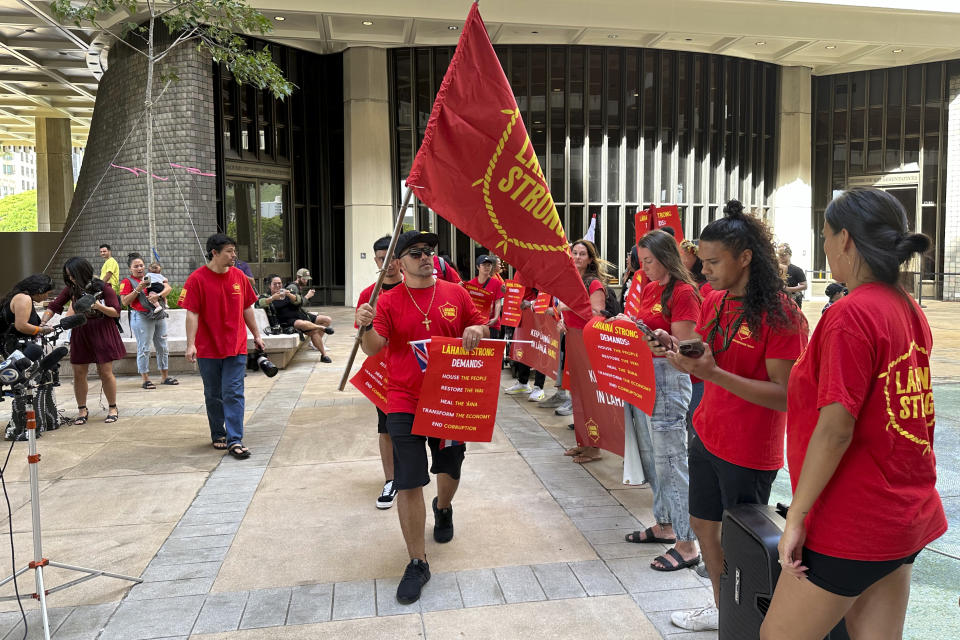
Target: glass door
point(257, 217)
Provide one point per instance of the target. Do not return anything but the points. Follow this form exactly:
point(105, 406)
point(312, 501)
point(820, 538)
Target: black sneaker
point(415, 576)
point(325, 359)
point(328, 331)
point(443, 523)
point(387, 496)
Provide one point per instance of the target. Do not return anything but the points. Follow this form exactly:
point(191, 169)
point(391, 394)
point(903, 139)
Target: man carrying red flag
point(420, 308)
point(497, 193)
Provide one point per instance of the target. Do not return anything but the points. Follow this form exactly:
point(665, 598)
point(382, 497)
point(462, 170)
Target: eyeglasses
point(416, 254)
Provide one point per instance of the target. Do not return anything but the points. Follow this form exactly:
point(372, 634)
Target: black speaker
point(750, 535)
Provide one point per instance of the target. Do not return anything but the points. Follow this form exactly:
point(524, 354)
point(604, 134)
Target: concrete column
point(793, 198)
point(951, 220)
point(367, 169)
point(54, 173)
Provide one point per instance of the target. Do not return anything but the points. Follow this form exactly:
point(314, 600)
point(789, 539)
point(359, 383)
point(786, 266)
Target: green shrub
point(174, 297)
point(19, 212)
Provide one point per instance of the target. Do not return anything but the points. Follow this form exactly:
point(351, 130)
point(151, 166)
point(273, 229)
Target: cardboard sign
point(621, 361)
point(597, 414)
point(482, 297)
point(543, 302)
point(631, 301)
point(512, 299)
point(458, 400)
point(371, 380)
point(543, 354)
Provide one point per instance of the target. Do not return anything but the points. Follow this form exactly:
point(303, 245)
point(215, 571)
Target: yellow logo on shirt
point(183, 296)
point(236, 288)
point(448, 311)
point(909, 395)
point(657, 308)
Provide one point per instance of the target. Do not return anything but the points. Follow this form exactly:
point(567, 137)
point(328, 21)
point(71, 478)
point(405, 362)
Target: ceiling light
point(279, 18)
point(367, 23)
point(556, 89)
point(898, 51)
point(612, 36)
point(760, 43)
point(453, 27)
point(830, 46)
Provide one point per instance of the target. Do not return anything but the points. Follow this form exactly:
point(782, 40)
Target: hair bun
point(733, 209)
point(908, 244)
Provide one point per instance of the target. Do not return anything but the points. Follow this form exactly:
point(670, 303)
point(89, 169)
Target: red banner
point(631, 301)
point(668, 215)
point(543, 354)
point(512, 300)
point(371, 380)
point(621, 361)
point(458, 400)
point(476, 168)
point(482, 298)
point(597, 415)
point(543, 302)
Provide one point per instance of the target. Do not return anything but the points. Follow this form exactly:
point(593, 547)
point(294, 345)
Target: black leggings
point(523, 375)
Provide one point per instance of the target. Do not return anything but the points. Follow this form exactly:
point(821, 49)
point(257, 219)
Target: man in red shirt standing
point(219, 302)
point(420, 308)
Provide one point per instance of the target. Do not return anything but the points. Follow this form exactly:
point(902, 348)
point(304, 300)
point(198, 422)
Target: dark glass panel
point(874, 156)
point(613, 87)
point(611, 243)
point(631, 108)
point(518, 78)
point(695, 224)
point(914, 84)
point(683, 152)
point(875, 122)
point(839, 161)
point(839, 125)
point(576, 88)
point(770, 168)
point(891, 156)
point(595, 100)
point(404, 152)
point(613, 165)
point(821, 125)
point(668, 86)
point(595, 166)
point(912, 120)
point(856, 158)
point(649, 165)
point(821, 175)
point(441, 60)
point(649, 88)
point(911, 154)
point(841, 88)
point(931, 169)
point(666, 169)
point(538, 89)
point(575, 225)
point(557, 166)
point(858, 90)
point(558, 65)
point(931, 119)
point(576, 165)
point(822, 91)
point(683, 92)
point(699, 93)
point(632, 167)
point(934, 88)
point(403, 83)
point(928, 227)
point(895, 87)
point(876, 87)
point(424, 94)
point(857, 122)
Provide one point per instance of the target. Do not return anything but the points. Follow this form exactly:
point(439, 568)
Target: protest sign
point(458, 399)
point(621, 361)
point(542, 303)
point(512, 299)
point(371, 380)
point(631, 301)
point(543, 354)
point(483, 298)
point(667, 215)
point(597, 414)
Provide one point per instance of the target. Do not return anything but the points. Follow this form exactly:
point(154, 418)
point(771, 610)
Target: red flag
point(476, 168)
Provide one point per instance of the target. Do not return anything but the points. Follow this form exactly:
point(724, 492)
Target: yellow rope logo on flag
point(527, 188)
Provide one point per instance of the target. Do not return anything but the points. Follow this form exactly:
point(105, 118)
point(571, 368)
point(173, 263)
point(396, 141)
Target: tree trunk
point(148, 102)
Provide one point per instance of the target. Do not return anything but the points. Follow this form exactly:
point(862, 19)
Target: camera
point(262, 362)
point(91, 294)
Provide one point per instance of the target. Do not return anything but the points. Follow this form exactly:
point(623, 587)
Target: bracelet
point(36, 331)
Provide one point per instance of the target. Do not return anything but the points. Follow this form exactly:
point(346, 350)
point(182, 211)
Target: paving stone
point(479, 588)
point(615, 550)
point(586, 501)
point(558, 581)
point(228, 507)
point(85, 622)
point(55, 618)
point(8, 620)
point(216, 554)
point(674, 599)
point(266, 608)
point(212, 518)
point(168, 588)
point(354, 600)
point(159, 573)
point(387, 604)
point(310, 604)
point(610, 536)
point(141, 619)
point(197, 530)
point(441, 593)
point(519, 584)
point(596, 578)
point(636, 575)
point(598, 512)
point(692, 635)
point(624, 523)
point(201, 542)
point(221, 612)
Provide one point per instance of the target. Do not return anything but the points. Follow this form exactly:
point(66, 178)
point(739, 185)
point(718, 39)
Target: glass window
point(273, 222)
point(840, 88)
point(595, 103)
point(576, 165)
point(613, 165)
point(240, 211)
point(611, 237)
point(595, 167)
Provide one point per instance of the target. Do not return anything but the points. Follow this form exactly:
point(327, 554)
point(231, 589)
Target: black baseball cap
point(409, 238)
point(833, 289)
point(486, 258)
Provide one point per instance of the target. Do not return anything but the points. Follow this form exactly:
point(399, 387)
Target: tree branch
point(118, 38)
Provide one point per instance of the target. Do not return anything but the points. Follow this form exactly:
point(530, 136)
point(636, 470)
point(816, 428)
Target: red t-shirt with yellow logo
point(485, 295)
point(219, 299)
point(684, 305)
point(400, 320)
point(871, 353)
point(730, 427)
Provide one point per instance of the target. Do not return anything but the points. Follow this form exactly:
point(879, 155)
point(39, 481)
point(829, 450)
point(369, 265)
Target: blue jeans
point(223, 392)
point(663, 448)
point(149, 331)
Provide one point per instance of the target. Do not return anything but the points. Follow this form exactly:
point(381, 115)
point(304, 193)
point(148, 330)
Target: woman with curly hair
point(753, 333)
point(18, 312)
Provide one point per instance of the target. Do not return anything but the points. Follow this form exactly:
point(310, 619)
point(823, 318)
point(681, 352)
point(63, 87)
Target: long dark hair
point(31, 285)
point(82, 272)
point(663, 246)
point(598, 268)
point(877, 223)
point(764, 296)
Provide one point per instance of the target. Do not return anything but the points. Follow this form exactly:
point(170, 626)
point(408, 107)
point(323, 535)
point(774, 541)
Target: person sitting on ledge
point(285, 312)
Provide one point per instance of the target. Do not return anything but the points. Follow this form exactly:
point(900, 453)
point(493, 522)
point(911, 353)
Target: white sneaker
point(518, 389)
point(565, 409)
point(537, 395)
point(706, 619)
point(387, 496)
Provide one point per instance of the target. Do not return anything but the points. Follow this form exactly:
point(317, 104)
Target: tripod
point(39, 562)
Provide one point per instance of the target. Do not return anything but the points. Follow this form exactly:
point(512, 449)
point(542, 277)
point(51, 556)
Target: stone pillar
point(367, 170)
point(951, 220)
point(54, 173)
point(793, 198)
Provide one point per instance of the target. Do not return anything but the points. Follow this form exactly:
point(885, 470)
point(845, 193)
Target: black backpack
point(611, 305)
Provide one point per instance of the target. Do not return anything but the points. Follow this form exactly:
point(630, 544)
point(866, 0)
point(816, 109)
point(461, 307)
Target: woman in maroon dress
point(98, 341)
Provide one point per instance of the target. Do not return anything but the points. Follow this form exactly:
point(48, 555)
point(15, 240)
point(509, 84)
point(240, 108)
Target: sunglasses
point(416, 254)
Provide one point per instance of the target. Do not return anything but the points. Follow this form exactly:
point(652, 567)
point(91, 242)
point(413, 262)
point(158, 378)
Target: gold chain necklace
point(426, 320)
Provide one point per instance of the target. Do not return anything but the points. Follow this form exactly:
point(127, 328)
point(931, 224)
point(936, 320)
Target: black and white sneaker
point(415, 576)
point(387, 496)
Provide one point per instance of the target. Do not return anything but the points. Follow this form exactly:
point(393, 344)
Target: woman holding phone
point(670, 302)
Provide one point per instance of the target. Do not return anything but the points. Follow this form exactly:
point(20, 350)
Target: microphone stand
point(39, 562)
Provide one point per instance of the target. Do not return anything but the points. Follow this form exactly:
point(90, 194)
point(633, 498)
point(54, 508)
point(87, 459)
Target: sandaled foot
point(220, 444)
point(584, 459)
point(147, 384)
point(239, 451)
point(673, 561)
point(573, 451)
point(82, 418)
point(647, 535)
point(170, 381)
point(113, 414)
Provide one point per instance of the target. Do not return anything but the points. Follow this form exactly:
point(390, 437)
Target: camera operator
point(284, 309)
point(17, 312)
point(98, 340)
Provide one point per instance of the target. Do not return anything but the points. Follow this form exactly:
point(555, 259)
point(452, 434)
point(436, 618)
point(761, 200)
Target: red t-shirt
point(125, 289)
point(368, 292)
point(870, 352)
point(449, 273)
point(574, 321)
point(399, 321)
point(705, 288)
point(684, 305)
point(485, 296)
point(730, 427)
point(219, 299)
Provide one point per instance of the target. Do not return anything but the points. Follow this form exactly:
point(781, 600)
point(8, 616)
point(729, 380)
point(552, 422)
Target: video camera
point(92, 293)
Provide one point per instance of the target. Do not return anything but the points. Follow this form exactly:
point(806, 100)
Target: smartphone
point(647, 331)
point(693, 348)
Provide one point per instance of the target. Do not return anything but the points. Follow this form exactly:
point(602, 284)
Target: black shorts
point(848, 578)
point(410, 457)
point(716, 484)
point(381, 421)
